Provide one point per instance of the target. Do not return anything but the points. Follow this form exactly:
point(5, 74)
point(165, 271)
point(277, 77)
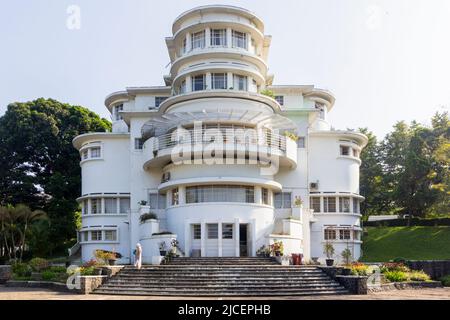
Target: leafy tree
point(40, 165)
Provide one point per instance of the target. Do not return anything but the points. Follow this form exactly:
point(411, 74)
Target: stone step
point(255, 293)
point(228, 286)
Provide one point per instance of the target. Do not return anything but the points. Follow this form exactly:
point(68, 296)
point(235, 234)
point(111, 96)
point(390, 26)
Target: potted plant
point(142, 203)
point(148, 216)
point(174, 245)
point(347, 256)
point(277, 248)
point(328, 250)
point(298, 202)
point(162, 248)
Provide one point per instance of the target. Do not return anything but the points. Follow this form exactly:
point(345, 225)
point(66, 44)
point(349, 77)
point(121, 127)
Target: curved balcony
point(201, 146)
point(221, 53)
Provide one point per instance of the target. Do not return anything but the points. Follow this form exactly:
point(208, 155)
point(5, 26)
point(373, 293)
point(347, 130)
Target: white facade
point(216, 159)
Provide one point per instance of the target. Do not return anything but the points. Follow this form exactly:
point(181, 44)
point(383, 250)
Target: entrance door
point(243, 240)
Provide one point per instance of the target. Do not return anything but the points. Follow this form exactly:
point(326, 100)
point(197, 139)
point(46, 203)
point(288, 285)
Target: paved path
point(43, 294)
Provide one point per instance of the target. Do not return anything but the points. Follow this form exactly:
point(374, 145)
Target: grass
point(412, 243)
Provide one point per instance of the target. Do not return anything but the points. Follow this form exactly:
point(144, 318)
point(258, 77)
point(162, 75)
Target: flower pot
point(329, 262)
point(346, 272)
point(277, 254)
point(112, 262)
point(163, 253)
point(98, 271)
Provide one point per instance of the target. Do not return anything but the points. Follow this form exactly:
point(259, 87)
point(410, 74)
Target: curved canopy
point(162, 124)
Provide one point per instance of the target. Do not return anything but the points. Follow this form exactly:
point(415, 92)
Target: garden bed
point(405, 286)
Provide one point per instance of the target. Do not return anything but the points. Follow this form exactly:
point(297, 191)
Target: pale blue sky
point(384, 60)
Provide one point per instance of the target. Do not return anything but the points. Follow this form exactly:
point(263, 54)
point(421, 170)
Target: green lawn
point(413, 243)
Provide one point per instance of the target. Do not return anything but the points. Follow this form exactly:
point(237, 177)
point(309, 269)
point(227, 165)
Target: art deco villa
point(227, 161)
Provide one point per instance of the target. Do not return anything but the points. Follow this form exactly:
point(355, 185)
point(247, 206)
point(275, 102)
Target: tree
point(371, 177)
point(40, 165)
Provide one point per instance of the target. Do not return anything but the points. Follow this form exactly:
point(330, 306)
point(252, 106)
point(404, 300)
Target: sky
point(384, 61)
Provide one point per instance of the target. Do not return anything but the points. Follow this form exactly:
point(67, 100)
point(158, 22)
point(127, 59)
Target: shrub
point(90, 263)
point(347, 256)
point(148, 216)
point(396, 276)
point(268, 93)
point(394, 266)
point(38, 264)
point(163, 233)
point(445, 281)
point(418, 276)
point(49, 275)
point(359, 269)
point(57, 269)
point(89, 271)
point(21, 269)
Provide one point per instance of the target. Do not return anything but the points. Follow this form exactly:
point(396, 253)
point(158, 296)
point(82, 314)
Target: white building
point(217, 159)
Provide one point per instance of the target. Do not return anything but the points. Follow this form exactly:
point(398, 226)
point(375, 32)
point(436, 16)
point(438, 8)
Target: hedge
point(414, 222)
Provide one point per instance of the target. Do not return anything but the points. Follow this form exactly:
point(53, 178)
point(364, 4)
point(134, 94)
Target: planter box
point(148, 228)
point(292, 227)
point(5, 274)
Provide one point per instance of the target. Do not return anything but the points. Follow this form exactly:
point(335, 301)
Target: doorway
point(243, 240)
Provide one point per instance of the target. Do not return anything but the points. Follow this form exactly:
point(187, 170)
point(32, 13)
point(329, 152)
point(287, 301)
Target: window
point(220, 193)
point(219, 37)
point(219, 80)
point(96, 206)
point(95, 152)
point(198, 40)
point(110, 235)
point(239, 39)
point(85, 207)
point(175, 197)
point(157, 201)
point(355, 205)
point(265, 196)
point(282, 200)
point(213, 231)
point(138, 144)
point(85, 236)
point(301, 142)
point(355, 153)
point(124, 205)
point(344, 234)
point(344, 204)
point(159, 100)
point(345, 151)
point(197, 231)
point(183, 87)
point(184, 46)
point(116, 112)
point(227, 231)
point(329, 234)
point(280, 100)
point(198, 83)
point(329, 204)
point(240, 82)
point(96, 235)
point(321, 108)
point(315, 204)
point(84, 154)
point(356, 235)
point(111, 205)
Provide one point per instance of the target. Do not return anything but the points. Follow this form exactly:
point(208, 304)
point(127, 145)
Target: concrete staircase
point(221, 277)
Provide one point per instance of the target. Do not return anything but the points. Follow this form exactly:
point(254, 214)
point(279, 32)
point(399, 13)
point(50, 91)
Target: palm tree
point(26, 216)
point(4, 218)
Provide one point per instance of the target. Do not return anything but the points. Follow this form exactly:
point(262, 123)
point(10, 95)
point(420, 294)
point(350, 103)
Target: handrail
point(170, 140)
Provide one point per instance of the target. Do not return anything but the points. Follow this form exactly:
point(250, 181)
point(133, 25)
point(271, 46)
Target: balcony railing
point(227, 136)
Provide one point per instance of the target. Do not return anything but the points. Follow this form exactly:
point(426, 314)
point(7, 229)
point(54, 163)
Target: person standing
point(138, 256)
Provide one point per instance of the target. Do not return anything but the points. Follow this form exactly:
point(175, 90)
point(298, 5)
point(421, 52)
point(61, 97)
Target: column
point(258, 195)
point(188, 84)
point(219, 238)
point(181, 195)
point(169, 199)
point(321, 199)
point(230, 83)
point(207, 37)
point(338, 207)
point(203, 238)
point(237, 238)
point(102, 201)
point(229, 38)
point(250, 85)
point(89, 206)
point(188, 42)
point(249, 41)
point(208, 85)
point(253, 236)
point(187, 237)
point(118, 206)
